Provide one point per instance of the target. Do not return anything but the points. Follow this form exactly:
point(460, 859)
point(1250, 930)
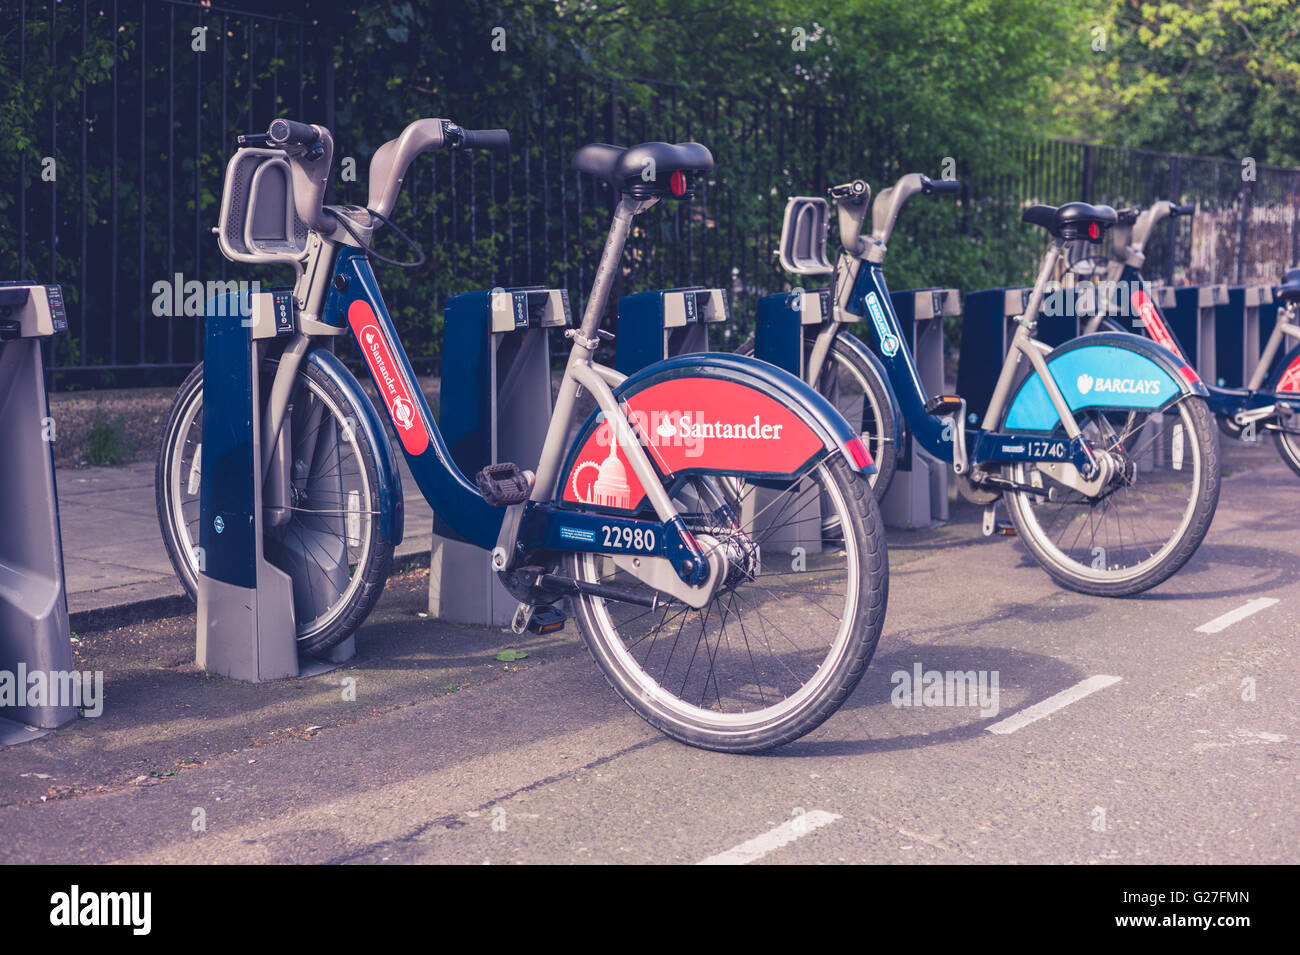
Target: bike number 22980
point(628, 538)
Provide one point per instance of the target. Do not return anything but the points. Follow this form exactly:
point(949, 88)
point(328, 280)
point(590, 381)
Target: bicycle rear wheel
point(1149, 518)
point(782, 643)
point(1288, 441)
point(327, 538)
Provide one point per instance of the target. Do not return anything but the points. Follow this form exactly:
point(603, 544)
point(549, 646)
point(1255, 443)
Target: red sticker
point(1150, 316)
point(402, 409)
point(692, 423)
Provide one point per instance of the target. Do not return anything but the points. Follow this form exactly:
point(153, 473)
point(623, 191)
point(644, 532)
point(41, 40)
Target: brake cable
point(369, 251)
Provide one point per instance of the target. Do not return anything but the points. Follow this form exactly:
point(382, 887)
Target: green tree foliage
point(790, 97)
point(1206, 77)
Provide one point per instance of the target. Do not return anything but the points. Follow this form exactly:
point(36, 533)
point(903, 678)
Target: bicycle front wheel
point(857, 393)
point(325, 537)
point(1146, 522)
point(786, 637)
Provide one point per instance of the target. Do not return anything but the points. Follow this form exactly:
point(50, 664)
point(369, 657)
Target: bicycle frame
point(341, 295)
point(1252, 403)
point(1032, 406)
point(937, 435)
point(341, 285)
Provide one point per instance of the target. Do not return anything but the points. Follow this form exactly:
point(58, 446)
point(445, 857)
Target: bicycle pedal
point(943, 405)
point(504, 484)
point(1006, 529)
point(547, 620)
point(522, 618)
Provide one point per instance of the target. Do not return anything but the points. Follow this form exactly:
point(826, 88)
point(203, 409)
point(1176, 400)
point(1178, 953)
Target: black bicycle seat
point(1074, 220)
point(621, 166)
point(1289, 290)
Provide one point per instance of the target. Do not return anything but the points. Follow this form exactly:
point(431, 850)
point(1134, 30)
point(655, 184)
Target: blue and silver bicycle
point(667, 522)
point(1270, 400)
point(1103, 449)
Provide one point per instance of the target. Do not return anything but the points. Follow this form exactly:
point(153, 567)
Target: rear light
point(678, 183)
point(1192, 377)
point(1094, 231)
point(858, 452)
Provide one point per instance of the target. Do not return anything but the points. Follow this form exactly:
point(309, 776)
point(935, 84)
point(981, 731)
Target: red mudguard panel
point(1290, 380)
point(687, 423)
point(402, 410)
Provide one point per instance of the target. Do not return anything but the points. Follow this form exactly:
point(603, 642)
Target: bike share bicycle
point(697, 460)
point(1102, 448)
point(1271, 399)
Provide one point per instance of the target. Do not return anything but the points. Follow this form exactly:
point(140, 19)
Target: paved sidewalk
point(113, 552)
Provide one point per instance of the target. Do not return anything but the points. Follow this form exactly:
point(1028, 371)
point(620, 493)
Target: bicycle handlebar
point(939, 186)
point(289, 133)
point(851, 198)
point(1144, 220)
point(306, 145)
point(855, 191)
point(484, 139)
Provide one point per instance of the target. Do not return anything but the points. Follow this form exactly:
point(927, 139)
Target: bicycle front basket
point(258, 220)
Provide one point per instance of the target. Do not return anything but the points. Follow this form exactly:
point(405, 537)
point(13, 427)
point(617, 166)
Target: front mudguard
point(1105, 371)
point(877, 370)
point(390, 501)
point(714, 412)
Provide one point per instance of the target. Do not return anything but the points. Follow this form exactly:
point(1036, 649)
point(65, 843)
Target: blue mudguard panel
point(1108, 370)
point(391, 521)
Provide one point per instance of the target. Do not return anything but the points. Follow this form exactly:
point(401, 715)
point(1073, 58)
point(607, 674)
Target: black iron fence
point(116, 170)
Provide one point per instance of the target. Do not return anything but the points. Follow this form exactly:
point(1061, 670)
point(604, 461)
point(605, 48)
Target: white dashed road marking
point(1053, 703)
point(1235, 616)
point(773, 839)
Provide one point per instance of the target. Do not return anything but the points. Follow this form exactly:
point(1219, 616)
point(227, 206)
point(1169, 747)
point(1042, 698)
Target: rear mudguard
point(1286, 377)
point(707, 411)
point(390, 501)
point(860, 348)
point(1108, 370)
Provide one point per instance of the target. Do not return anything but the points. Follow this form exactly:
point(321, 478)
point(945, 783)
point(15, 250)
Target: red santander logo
point(388, 378)
point(691, 423)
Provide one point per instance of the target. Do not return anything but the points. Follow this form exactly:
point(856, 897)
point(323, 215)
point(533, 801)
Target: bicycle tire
point(646, 688)
point(176, 492)
point(1174, 551)
point(871, 414)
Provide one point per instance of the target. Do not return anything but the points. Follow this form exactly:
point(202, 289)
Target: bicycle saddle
point(618, 165)
point(1289, 290)
point(1074, 220)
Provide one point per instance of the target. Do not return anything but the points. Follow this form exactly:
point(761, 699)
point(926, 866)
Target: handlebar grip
point(485, 138)
point(288, 132)
point(1183, 210)
point(939, 186)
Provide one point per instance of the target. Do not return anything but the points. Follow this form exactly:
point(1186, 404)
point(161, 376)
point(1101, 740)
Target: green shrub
point(107, 443)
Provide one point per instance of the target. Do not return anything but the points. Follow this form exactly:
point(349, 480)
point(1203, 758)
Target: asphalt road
point(1167, 740)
